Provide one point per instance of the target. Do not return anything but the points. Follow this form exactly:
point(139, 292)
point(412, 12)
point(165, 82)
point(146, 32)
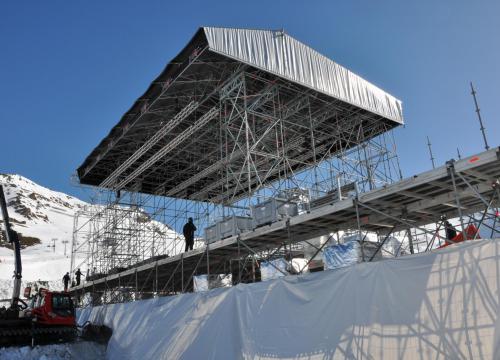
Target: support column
point(358, 220)
point(136, 284)
point(451, 168)
point(156, 278)
point(208, 262)
point(239, 260)
point(182, 272)
point(408, 231)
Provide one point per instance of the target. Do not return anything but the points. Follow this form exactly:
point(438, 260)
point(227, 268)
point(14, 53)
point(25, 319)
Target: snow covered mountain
point(44, 219)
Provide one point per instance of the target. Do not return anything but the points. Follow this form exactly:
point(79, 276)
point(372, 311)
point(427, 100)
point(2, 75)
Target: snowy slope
point(43, 217)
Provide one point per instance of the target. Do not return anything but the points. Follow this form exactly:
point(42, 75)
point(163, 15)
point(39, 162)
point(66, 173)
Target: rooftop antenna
point(430, 152)
point(458, 153)
point(473, 92)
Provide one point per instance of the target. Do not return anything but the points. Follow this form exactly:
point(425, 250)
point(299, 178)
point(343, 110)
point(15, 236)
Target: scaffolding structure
point(210, 138)
point(268, 147)
point(221, 131)
point(411, 210)
point(114, 234)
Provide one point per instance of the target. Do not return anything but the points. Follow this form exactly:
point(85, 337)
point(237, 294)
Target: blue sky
point(70, 69)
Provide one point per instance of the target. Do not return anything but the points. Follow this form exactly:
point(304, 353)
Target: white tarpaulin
point(281, 54)
point(203, 283)
point(437, 305)
point(273, 269)
point(352, 252)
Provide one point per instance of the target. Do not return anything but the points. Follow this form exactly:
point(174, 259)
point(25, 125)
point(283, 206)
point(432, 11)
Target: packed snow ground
point(81, 350)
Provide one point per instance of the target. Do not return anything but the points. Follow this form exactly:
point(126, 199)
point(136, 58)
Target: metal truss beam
point(175, 121)
point(146, 108)
point(213, 112)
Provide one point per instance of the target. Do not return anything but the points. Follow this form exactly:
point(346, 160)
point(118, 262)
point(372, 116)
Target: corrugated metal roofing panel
point(282, 55)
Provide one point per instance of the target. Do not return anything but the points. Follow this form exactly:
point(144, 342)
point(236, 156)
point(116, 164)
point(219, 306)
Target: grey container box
point(212, 234)
point(273, 210)
point(234, 225)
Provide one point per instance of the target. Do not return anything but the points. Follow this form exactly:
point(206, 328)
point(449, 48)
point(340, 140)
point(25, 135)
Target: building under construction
point(268, 145)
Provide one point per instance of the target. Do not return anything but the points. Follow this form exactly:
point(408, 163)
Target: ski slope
point(43, 214)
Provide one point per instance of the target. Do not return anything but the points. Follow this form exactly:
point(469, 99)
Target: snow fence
point(443, 304)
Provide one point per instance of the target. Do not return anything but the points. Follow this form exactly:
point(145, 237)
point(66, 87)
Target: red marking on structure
point(474, 159)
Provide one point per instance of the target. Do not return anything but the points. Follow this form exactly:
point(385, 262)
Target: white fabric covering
point(202, 283)
point(281, 54)
point(269, 270)
point(443, 304)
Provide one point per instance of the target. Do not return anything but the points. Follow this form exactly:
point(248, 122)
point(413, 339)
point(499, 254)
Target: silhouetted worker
point(66, 279)
point(78, 275)
point(450, 230)
point(188, 231)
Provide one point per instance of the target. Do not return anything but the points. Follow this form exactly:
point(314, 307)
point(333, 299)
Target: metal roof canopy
point(177, 115)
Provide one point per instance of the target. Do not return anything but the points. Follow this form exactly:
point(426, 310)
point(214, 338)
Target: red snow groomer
point(51, 308)
point(46, 317)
